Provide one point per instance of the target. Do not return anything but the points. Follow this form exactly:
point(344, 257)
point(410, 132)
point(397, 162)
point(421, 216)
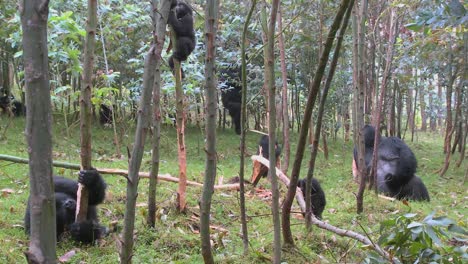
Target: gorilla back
point(181, 22)
point(65, 203)
point(317, 196)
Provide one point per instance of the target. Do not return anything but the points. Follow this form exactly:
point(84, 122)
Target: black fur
point(317, 197)
point(65, 203)
point(9, 102)
point(396, 167)
point(231, 95)
point(181, 21)
point(264, 143)
point(105, 114)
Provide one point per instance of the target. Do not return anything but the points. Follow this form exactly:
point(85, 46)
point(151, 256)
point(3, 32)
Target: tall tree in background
point(284, 96)
point(211, 25)
point(38, 132)
point(393, 26)
point(151, 60)
point(85, 107)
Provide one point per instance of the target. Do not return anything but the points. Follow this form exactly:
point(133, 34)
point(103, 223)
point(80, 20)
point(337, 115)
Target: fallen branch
point(164, 177)
point(339, 231)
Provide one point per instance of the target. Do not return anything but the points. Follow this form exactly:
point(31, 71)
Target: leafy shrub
point(434, 240)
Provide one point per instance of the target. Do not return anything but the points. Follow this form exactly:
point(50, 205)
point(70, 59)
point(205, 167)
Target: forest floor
point(175, 239)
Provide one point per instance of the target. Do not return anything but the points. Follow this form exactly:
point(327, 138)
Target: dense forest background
point(402, 66)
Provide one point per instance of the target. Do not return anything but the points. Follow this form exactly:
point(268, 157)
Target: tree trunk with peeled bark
point(86, 107)
point(38, 131)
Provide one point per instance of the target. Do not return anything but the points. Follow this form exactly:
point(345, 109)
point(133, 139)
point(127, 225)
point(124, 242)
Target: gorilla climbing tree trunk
point(38, 131)
point(85, 108)
point(159, 22)
point(314, 89)
point(211, 25)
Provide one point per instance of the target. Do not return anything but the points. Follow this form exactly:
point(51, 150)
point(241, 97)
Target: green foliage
point(434, 240)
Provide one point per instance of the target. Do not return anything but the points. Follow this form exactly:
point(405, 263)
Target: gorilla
point(65, 203)
point(105, 114)
point(231, 95)
point(9, 102)
point(396, 167)
point(259, 169)
point(317, 196)
point(181, 22)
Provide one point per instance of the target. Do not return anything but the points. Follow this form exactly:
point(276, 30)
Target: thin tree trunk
point(321, 110)
point(315, 85)
point(270, 72)
point(284, 95)
point(86, 107)
point(359, 19)
point(159, 21)
point(393, 34)
point(399, 105)
point(452, 75)
point(38, 131)
point(245, 237)
point(181, 117)
point(211, 25)
point(151, 61)
point(422, 107)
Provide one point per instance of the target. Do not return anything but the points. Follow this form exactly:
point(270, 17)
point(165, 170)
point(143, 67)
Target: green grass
point(175, 238)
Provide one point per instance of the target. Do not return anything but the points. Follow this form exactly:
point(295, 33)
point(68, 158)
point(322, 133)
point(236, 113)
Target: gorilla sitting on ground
point(181, 22)
point(396, 167)
point(260, 170)
point(317, 196)
point(65, 203)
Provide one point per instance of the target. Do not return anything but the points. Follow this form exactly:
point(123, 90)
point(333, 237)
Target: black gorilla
point(317, 196)
point(231, 95)
point(259, 169)
point(65, 203)
point(105, 114)
point(396, 167)
point(182, 22)
point(9, 102)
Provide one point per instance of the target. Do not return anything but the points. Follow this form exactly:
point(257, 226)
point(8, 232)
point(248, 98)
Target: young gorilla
point(259, 169)
point(181, 22)
point(231, 95)
point(65, 203)
point(317, 196)
point(396, 167)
